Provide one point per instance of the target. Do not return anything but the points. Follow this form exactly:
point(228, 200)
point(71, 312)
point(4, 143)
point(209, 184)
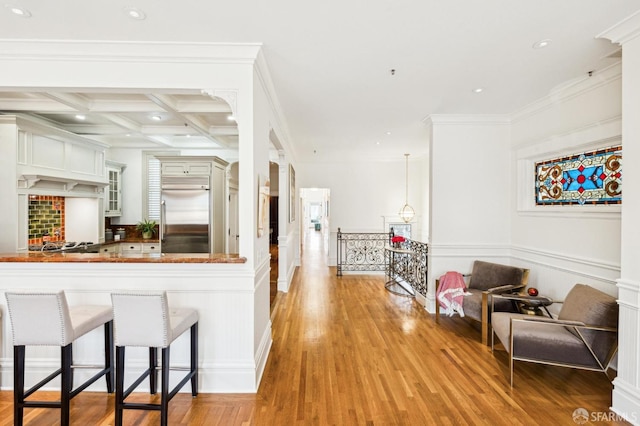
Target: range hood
point(60, 184)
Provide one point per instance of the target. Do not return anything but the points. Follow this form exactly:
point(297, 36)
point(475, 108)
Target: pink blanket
point(451, 291)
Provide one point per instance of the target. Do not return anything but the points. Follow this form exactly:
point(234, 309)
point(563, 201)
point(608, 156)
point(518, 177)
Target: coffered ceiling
point(354, 79)
point(142, 120)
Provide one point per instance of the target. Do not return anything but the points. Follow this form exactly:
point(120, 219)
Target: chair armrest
point(564, 323)
point(526, 299)
point(505, 288)
point(552, 321)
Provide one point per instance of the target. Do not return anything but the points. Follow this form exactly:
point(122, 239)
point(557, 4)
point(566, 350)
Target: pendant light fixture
point(407, 212)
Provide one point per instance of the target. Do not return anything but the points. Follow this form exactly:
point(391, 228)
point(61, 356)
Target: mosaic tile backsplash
point(46, 219)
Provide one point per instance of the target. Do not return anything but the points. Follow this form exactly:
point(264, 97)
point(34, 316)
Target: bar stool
point(45, 319)
point(144, 319)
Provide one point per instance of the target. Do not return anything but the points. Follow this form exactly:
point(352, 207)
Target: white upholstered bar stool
point(45, 319)
point(144, 319)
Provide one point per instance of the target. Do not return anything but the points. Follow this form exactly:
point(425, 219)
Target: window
point(589, 178)
point(151, 184)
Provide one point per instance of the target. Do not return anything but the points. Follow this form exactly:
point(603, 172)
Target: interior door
point(234, 246)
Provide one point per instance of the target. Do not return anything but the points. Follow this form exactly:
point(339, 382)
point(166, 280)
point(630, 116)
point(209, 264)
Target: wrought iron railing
point(365, 251)
point(362, 251)
point(412, 268)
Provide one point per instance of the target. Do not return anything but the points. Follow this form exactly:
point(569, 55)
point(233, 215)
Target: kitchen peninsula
point(62, 257)
point(233, 346)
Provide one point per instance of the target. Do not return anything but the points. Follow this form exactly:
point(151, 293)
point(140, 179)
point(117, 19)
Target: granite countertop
point(61, 257)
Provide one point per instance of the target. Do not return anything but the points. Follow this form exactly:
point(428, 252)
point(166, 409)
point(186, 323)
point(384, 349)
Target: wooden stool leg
point(66, 357)
point(194, 359)
point(18, 385)
point(164, 402)
point(119, 384)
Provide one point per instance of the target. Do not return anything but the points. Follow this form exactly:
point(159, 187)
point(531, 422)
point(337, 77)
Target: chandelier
point(407, 212)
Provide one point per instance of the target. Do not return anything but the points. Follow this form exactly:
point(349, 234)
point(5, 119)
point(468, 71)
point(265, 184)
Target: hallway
point(347, 352)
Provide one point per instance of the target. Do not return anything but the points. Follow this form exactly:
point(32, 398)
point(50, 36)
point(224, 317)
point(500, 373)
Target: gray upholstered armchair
point(485, 280)
point(584, 335)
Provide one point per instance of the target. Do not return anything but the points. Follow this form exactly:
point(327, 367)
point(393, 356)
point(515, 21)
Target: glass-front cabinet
point(113, 192)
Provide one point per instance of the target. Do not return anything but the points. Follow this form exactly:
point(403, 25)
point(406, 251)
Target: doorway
point(316, 217)
point(273, 248)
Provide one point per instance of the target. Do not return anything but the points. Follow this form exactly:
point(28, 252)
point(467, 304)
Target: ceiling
point(142, 120)
point(331, 63)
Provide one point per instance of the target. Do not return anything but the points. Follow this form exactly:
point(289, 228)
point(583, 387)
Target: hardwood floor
point(348, 352)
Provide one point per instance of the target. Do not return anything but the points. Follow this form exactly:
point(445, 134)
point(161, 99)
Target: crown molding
point(117, 51)
point(466, 119)
point(569, 90)
point(623, 31)
point(591, 136)
point(280, 126)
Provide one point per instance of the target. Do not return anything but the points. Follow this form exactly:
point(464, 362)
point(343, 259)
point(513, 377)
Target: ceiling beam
point(168, 104)
point(71, 100)
point(41, 105)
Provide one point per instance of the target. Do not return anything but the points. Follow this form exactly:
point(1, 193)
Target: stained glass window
point(590, 178)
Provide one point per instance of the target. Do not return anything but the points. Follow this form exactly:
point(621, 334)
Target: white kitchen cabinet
point(151, 247)
point(113, 192)
point(110, 248)
point(130, 248)
point(54, 160)
point(172, 168)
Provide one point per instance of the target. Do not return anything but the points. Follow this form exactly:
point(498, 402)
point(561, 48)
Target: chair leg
point(153, 371)
point(66, 356)
point(164, 401)
point(511, 350)
point(493, 335)
point(511, 368)
point(18, 385)
point(108, 355)
point(119, 384)
point(194, 359)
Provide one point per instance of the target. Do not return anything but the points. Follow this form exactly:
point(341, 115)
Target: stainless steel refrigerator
point(185, 216)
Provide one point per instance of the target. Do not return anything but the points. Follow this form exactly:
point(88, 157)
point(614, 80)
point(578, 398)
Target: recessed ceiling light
point(478, 90)
point(81, 116)
point(231, 118)
point(18, 11)
point(156, 117)
point(542, 44)
point(135, 13)
point(388, 133)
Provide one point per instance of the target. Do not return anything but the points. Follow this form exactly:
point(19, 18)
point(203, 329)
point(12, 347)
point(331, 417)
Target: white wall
point(422, 231)
point(470, 172)
point(566, 245)
point(366, 196)
point(260, 167)
point(362, 193)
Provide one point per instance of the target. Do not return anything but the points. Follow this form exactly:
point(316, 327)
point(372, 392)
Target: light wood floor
point(347, 352)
